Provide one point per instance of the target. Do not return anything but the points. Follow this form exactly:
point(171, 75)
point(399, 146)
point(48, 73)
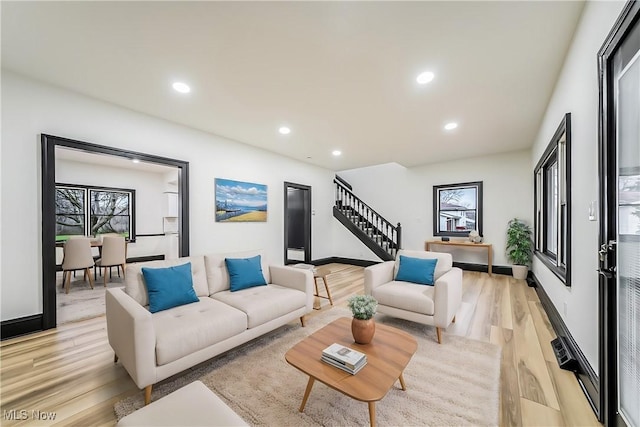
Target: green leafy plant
point(519, 243)
point(363, 306)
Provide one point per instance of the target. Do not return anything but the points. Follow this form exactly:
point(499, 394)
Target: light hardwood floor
point(69, 371)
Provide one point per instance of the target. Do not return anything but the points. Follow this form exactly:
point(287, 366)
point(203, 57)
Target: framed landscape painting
point(238, 201)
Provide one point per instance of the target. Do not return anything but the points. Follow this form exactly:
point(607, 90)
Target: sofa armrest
point(294, 278)
point(376, 275)
point(447, 297)
point(132, 336)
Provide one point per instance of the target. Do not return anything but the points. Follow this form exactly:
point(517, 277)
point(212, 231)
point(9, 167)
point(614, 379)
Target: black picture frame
point(468, 198)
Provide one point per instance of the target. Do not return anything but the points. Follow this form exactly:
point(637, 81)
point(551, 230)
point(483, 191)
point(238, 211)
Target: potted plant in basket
point(519, 247)
point(363, 308)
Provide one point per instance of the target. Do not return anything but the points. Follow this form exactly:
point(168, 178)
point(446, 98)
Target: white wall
point(576, 92)
point(405, 195)
point(30, 108)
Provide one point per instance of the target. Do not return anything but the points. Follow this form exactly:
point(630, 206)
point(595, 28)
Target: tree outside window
point(70, 212)
point(91, 211)
point(109, 212)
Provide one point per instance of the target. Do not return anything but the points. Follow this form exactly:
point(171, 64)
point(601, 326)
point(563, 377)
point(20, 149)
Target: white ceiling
point(341, 75)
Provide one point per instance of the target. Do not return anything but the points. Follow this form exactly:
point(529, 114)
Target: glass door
point(627, 89)
point(619, 314)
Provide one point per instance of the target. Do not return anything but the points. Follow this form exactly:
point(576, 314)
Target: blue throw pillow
point(245, 273)
point(169, 287)
point(416, 270)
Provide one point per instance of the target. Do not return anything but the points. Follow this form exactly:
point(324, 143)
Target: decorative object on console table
point(519, 247)
point(363, 308)
point(474, 237)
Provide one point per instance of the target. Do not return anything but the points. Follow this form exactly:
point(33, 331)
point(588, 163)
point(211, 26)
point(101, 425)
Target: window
point(90, 211)
point(70, 212)
point(457, 209)
point(552, 203)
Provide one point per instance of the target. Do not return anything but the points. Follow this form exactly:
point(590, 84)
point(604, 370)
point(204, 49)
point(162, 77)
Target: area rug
point(454, 383)
point(82, 302)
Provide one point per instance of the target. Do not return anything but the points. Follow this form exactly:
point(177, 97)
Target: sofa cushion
point(136, 288)
point(445, 261)
point(217, 274)
point(184, 330)
point(244, 273)
point(416, 270)
point(263, 303)
point(406, 296)
point(169, 287)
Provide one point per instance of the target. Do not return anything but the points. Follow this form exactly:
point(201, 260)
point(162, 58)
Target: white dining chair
point(77, 256)
point(113, 254)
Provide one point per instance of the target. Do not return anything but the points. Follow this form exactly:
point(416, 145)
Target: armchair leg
point(439, 334)
point(147, 394)
point(453, 320)
point(302, 321)
point(115, 358)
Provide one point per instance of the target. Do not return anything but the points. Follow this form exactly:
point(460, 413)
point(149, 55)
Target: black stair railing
point(380, 235)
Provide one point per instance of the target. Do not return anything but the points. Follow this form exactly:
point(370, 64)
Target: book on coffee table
point(345, 356)
point(339, 365)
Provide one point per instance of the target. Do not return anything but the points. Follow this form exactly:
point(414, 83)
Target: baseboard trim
point(587, 378)
point(339, 260)
point(20, 326)
point(145, 258)
point(483, 268)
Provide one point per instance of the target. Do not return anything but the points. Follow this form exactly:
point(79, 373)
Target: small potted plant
point(519, 247)
point(363, 308)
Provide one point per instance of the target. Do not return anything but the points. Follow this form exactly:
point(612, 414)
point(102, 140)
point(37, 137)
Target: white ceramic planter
point(520, 271)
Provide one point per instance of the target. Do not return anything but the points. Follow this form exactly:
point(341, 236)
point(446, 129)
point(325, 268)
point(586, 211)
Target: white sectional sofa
point(154, 346)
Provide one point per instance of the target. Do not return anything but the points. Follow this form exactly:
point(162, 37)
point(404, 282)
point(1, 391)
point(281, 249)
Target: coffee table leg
point(306, 393)
point(402, 384)
point(372, 414)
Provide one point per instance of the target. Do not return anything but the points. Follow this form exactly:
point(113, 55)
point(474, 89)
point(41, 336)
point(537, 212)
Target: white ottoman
point(192, 405)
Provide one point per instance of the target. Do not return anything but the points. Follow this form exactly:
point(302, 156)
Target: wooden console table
point(464, 244)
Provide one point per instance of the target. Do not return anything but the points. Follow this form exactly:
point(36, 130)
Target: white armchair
point(431, 305)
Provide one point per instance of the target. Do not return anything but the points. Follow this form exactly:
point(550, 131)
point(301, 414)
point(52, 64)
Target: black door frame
point(607, 313)
point(48, 145)
point(307, 221)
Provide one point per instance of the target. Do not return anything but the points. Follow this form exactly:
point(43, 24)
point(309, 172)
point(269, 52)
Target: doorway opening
point(52, 144)
point(297, 223)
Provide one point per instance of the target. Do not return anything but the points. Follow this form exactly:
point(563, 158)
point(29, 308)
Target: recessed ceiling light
point(336, 152)
point(181, 87)
point(284, 130)
point(135, 160)
point(450, 126)
point(424, 78)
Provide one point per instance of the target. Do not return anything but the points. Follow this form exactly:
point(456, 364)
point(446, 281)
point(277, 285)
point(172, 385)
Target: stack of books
point(345, 358)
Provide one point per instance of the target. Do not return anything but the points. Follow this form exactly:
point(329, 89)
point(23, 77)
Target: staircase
point(378, 234)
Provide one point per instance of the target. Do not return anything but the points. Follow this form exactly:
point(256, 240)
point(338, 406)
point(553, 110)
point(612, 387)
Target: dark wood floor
point(69, 370)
